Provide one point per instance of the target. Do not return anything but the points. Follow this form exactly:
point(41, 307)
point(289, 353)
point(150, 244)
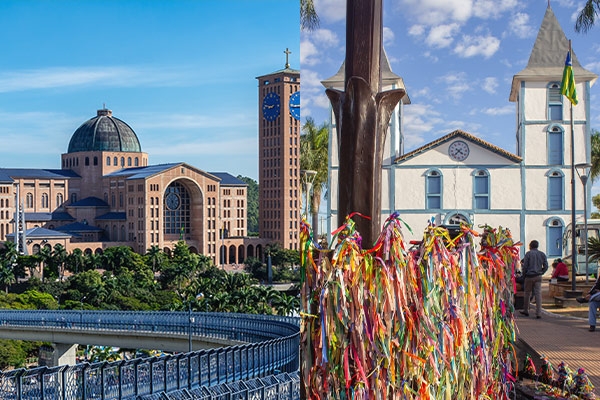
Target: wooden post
point(362, 114)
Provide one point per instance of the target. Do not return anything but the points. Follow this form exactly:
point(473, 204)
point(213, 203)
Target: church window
point(87, 161)
point(129, 161)
point(115, 161)
point(73, 198)
point(555, 191)
point(59, 199)
point(95, 160)
point(29, 200)
point(481, 190)
point(177, 209)
point(433, 190)
point(555, 105)
point(108, 161)
point(122, 161)
point(555, 145)
point(136, 162)
point(554, 234)
point(120, 199)
point(113, 201)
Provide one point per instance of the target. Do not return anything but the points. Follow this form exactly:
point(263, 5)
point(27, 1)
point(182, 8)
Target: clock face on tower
point(458, 150)
point(172, 201)
point(295, 105)
point(271, 105)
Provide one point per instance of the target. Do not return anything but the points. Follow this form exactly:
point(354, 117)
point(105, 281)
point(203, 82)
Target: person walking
point(535, 264)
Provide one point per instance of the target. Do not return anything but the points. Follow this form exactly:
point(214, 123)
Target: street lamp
point(584, 175)
point(308, 177)
point(199, 296)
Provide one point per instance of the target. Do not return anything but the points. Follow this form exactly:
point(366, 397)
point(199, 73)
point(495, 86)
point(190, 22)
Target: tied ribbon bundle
point(435, 322)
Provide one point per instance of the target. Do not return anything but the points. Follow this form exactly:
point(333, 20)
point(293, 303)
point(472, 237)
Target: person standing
point(535, 264)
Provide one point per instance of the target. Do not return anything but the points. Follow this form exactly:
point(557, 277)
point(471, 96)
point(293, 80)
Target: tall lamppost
point(199, 296)
point(585, 167)
point(308, 177)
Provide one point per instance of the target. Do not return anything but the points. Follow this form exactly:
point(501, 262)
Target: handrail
point(273, 347)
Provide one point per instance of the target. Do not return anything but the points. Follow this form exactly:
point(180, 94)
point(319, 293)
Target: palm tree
point(587, 16)
point(154, 255)
point(45, 257)
point(595, 140)
point(314, 155)
point(308, 16)
point(60, 256)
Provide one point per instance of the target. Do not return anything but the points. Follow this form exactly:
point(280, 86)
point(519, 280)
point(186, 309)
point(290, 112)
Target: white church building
point(460, 177)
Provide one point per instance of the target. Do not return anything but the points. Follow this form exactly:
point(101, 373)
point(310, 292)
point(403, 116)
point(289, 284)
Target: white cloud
point(388, 36)
point(442, 35)
point(593, 66)
point(456, 84)
point(315, 44)
point(419, 120)
point(505, 110)
point(308, 53)
point(416, 30)
point(486, 9)
point(331, 10)
point(519, 26)
point(471, 46)
point(490, 84)
point(99, 76)
point(179, 121)
point(436, 12)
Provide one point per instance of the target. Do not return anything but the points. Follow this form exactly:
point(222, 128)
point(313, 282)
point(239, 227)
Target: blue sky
point(457, 59)
point(180, 73)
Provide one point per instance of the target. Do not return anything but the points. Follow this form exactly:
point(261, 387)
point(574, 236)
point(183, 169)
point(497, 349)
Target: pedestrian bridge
point(257, 348)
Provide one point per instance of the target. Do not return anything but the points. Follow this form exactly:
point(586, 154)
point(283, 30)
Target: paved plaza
point(560, 338)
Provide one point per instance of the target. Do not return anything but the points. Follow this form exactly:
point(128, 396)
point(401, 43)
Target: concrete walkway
point(562, 338)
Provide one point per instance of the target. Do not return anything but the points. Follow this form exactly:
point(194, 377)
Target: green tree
point(59, 255)
point(587, 16)
point(75, 262)
point(8, 260)
point(155, 257)
point(314, 156)
point(595, 151)
point(252, 206)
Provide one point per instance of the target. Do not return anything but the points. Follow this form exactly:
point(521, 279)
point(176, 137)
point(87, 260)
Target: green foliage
point(252, 206)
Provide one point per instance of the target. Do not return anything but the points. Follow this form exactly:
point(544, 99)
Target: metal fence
point(273, 349)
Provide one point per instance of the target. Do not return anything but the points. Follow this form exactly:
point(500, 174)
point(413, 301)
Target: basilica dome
point(104, 133)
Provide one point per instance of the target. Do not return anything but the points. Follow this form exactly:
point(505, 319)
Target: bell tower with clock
point(279, 155)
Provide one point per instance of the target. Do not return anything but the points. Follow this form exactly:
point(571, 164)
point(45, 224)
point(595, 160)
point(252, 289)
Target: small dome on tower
point(104, 133)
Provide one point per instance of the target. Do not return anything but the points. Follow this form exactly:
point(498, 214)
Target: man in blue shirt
point(535, 264)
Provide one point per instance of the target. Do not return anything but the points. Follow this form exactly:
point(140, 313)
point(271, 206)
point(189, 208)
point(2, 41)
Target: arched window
point(555, 190)
point(59, 200)
point(433, 189)
point(177, 209)
point(457, 219)
point(137, 162)
point(481, 190)
point(115, 161)
point(87, 161)
point(555, 105)
point(129, 161)
point(29, 200)
point(122, 161)
point(554, 234)
point(555, 145)
point(95, 160)
point(73, 198)
point(108, 160)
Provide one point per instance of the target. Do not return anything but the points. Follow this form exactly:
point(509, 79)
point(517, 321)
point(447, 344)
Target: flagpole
point(573, 230)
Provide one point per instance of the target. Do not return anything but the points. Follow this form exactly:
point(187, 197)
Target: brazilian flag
point(567, 87)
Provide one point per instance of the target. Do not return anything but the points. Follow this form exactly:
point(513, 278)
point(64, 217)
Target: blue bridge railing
point(272, 348)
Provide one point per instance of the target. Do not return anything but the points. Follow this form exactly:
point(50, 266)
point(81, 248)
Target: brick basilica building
point(106, 194)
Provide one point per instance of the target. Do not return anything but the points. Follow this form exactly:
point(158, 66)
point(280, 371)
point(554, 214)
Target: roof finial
point(287, 54)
